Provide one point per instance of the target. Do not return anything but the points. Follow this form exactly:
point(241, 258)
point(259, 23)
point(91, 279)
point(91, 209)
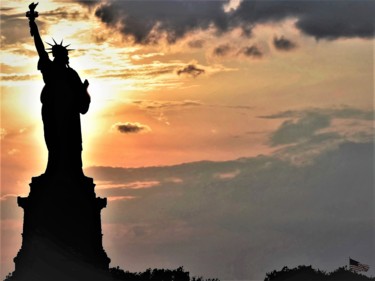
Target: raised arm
point(37, 39)
point(32, 15)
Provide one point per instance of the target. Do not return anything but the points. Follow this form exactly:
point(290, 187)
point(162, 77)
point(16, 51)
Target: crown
point(58, 49)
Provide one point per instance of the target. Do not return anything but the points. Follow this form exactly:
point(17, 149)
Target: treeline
point(117, 274)
point(178, 274)
point(310, 274)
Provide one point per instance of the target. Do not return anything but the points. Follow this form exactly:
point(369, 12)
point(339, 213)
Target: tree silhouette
point(308, 273)
point(117, 274)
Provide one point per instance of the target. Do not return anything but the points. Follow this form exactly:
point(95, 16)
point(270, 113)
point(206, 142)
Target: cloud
point(310, 132)
point(343, 112)
point(329, 19)
point(262, 212)
point(231, 5)
point(293, 131)
point(222, 50)
point(252, 51)
point(18, 77)
point(283, 44)
point(192, 70)
point(90, 3)
point(14, 28)
point(196, 44)
point(115, 198)
point(130, 185)
point(130, 128)
point(158, 109)
point(66, 13)
point(142, 71)
point(150, 104)
point(338, 19)
point(147, 22)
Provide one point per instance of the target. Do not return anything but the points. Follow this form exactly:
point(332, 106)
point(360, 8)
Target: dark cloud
point(304, 128)
point(283, 44)
point(252, 51)
point(129, 128)
point(89, 3)
point(192, 70)
point(147, 21)
point(196, 44)
point(328, 19)
point(222, 50)
point(239, 219)
point(338, 19)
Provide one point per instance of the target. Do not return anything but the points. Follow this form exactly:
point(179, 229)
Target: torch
point(32, 14)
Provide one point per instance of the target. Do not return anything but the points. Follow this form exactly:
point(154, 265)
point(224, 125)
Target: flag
point(357, 266)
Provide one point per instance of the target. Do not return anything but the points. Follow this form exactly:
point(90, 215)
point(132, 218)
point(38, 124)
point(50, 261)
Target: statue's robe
point(62, 98)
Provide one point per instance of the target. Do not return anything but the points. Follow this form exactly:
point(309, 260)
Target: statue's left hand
point(86, 83)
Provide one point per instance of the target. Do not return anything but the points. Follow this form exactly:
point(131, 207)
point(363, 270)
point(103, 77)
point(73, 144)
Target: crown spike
point(49, 44)
point(54, 41)
point(67, 46)
point(61, 42)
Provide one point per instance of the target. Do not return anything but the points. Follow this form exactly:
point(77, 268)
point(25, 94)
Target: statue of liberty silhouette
point(64, 97)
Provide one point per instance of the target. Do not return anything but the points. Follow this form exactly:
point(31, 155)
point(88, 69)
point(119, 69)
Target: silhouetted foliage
point(178, 274)
point(308, 273)
point(117, 273)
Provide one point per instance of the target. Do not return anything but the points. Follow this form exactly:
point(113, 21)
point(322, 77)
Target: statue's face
point(62, 59)
point(66, 60)
point(61, 54)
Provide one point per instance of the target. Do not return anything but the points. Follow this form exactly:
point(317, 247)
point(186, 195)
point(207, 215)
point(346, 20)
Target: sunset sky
point(230, 137)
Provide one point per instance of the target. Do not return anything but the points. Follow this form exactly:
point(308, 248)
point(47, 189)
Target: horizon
point(228, 136)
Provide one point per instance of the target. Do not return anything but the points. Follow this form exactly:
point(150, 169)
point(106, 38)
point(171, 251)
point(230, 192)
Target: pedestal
point(62, 235)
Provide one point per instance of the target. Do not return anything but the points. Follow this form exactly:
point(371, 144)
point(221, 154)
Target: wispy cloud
point(18, 77)
point(342, 112)
point(154, 104)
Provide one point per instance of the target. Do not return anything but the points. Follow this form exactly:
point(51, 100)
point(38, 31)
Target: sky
point(230, 137)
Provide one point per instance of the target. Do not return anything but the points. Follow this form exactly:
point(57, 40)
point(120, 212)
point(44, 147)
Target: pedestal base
point(62, 236)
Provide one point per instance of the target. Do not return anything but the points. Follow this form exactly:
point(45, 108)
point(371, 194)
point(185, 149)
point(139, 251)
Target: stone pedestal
point(62, 235)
